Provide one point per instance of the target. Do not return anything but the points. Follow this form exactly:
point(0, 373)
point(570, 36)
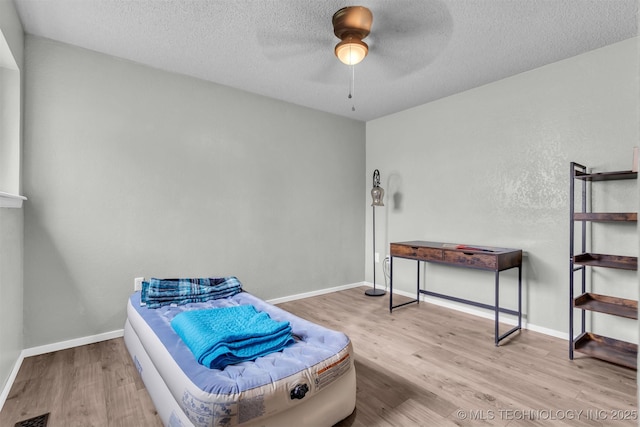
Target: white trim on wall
point(276, 301)
point(10, 122)
point(63, 345)
point(12, 377)
point(487, 314)
point(8, 200)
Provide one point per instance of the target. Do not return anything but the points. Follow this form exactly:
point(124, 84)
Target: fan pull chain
point(352, 87)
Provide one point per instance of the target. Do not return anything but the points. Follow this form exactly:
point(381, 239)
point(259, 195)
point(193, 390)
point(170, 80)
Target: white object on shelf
point(8, 200)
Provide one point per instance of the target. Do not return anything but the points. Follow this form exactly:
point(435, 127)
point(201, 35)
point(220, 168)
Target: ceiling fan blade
point(308, 56)
point(409, 36)
point(310, 31)
point(330, 71)
point(282, 46)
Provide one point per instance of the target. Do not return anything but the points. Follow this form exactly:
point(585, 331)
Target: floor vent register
point(39, 421)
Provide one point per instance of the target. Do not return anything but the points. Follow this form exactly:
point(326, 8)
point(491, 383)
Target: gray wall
point(491, 166)
point(131, 171)
point(11, 234)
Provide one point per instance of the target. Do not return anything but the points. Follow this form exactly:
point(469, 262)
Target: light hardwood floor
point(421, 365)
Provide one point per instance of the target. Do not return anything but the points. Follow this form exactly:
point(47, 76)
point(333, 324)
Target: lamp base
point(374, 292)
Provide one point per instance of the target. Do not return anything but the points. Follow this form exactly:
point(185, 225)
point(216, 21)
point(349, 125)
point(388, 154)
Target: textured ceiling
point(420, 50)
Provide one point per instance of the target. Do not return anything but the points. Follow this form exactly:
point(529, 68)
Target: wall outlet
point(137, 283)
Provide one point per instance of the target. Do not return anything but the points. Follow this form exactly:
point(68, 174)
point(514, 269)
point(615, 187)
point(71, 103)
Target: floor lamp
point(377, 193)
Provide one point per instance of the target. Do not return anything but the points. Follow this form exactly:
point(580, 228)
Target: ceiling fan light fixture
point(351, 50)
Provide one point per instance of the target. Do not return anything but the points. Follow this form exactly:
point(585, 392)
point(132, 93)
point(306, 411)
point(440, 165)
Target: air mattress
point(311, 382)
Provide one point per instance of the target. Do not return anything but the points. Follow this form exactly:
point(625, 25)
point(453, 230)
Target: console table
point(476, 257)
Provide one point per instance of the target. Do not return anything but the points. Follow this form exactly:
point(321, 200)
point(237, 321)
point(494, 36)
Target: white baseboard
point(487, 314)
point(276, 301)
point(63, 345)
point(10, 380)
point(547, 331)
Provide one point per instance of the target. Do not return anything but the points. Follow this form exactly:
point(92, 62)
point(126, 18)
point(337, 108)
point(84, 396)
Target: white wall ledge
point(8, 200)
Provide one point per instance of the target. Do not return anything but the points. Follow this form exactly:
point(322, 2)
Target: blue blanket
point(158, 292)
point(224, 336)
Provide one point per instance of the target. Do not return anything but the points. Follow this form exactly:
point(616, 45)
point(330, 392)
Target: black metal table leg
point(499, 337)
point(520, 297)
point(418, 282)
point(497, 308)
point(390, 284)
point(417, 300)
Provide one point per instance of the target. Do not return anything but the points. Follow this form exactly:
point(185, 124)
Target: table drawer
point(416, 252)
point(471, 259)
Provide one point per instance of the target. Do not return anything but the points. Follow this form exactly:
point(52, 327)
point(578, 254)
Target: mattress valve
point(299, 391)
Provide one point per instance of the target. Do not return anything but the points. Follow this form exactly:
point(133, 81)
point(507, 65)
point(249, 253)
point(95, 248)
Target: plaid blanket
point(218, 337)
point(158, 292)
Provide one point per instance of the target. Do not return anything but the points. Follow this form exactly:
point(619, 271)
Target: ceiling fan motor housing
point(352, 20)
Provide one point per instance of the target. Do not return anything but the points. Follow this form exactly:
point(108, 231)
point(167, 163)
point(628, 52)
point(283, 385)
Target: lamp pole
point(377, 193)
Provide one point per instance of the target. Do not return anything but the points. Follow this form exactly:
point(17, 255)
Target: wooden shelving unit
point(609, 349)
point(589, 343)
point(608, 261)
point(604, 176)
point(605, 217)
point(607, 304)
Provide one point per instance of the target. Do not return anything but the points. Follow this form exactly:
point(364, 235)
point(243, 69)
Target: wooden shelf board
point(609, 349)
point(607, 304)
point(609, 261)
point(606, 176)
point(609, 216)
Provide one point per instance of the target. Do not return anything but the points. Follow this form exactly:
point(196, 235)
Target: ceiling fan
point(351, 24)
point(406, 37)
